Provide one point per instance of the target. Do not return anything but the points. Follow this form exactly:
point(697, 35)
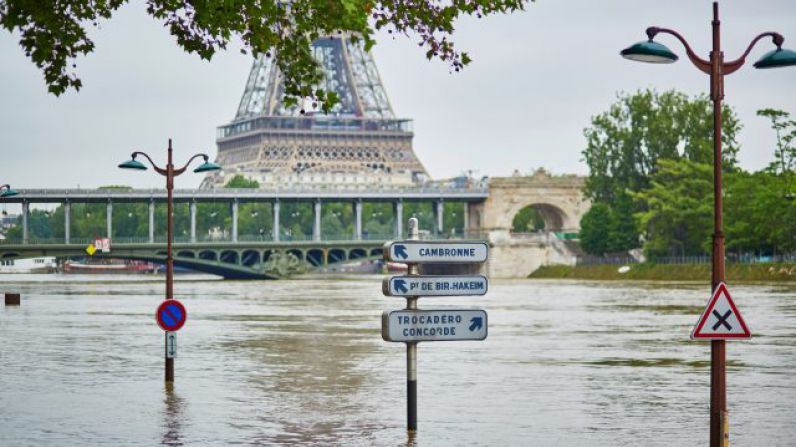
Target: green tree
point(54, 34)
point(626, 143)
point(597, 228)
point(678, 209)
point(528, 220)
point(239, 181)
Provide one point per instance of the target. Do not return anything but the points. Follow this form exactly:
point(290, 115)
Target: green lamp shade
point(133, 164)
point(8, 193)
point(777, 58)
point(207, 166)
point(649, 51)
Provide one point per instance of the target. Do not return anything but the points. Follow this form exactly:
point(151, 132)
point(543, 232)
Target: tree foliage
point(528, 220)
point(627, 144)
point(54, 34)
point(678, 209)
point(239, 181)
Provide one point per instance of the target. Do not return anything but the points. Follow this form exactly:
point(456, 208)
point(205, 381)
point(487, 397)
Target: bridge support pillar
point(235, 221)
point(151, 221)
point(316, 226)
point(67, 221)
point(398, 215)
point(192, 208)
point(276, 221)
point(109, 219)
point(439, 212)
point(466, 219)
point(25, 212)
point(358, 220)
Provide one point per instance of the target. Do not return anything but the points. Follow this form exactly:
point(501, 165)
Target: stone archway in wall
point(538, 217)
point(559, 200)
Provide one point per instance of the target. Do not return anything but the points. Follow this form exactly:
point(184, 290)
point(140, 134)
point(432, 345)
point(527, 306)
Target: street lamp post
point(169, 172)
point(717, 68)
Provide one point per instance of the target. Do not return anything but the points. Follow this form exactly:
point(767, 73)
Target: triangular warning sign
point(721, 320)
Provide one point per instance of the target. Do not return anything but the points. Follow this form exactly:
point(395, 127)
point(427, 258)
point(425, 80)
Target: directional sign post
point(433, 325)
point(435, 285)
point(413, 251)
point(413, 325)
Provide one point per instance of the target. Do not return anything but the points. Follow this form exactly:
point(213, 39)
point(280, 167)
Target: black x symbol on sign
point(722, 320)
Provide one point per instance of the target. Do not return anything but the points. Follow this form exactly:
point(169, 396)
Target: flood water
point(302, 362)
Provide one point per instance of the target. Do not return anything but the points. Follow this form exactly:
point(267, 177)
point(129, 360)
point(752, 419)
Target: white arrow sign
point(435, 285)
point(433, 325)
point(436, 252)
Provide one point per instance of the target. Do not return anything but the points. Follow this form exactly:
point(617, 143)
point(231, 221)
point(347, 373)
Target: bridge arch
point(377, 252)
point(315, 256)
point(538, 217)
point(357, 253)
point(250, 258)
point(559, 200)
point(229, 256)
point(267, 255)
point(208, 255)
point(186, 254)
point(297, 253)
point(337, 255)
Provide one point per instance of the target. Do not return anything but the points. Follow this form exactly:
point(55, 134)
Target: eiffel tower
point(360, 142)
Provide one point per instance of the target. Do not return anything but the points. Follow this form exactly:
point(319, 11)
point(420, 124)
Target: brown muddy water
point(303, 363)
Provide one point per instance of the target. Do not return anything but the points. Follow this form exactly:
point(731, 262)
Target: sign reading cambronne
point(436, 252)
point(433, 325)
point(435, 285)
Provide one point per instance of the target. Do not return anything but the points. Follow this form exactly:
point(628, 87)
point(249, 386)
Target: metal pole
point(25, 210)
point(67, 220)
point(151, 221)
point(411, 347)
point(719, 435)
point(109, 219)
point(192, 207)
point(169, 259)
point(439, 213)
point(275, 228)
point(398, 215)
point(316, 225)
point(358, 219)
point(466, 219)
point(235, 220)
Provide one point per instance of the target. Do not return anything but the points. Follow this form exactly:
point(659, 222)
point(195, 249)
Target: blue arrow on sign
point(400, 251)
point(400, 285)
point(476, 323)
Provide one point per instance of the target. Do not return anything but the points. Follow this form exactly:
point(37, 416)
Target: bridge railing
point(226, 239)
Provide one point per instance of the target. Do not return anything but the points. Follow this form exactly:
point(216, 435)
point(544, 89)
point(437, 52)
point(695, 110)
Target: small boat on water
point(106, 266)
point(45, 264)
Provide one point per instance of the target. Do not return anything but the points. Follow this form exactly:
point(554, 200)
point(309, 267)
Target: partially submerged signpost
point(412, 325)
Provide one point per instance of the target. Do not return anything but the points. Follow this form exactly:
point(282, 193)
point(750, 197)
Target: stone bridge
point(559, 201)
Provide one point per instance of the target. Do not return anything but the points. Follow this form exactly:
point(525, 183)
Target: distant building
point(360, 142)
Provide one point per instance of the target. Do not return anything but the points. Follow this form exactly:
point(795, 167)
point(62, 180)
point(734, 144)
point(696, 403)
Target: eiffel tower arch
point(360, 142)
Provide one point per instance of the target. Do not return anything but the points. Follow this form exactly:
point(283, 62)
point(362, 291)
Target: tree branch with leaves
point(54, 33)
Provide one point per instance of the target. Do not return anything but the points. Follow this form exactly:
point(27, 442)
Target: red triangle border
point(696, 335)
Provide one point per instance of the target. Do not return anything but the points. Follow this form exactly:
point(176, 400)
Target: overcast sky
point(536, 79)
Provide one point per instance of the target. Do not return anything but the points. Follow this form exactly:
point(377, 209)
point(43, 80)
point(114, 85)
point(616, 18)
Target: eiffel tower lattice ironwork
point(359, 142)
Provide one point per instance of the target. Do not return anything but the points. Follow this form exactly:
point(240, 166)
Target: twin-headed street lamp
point(169, 172)
point(715, 66)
